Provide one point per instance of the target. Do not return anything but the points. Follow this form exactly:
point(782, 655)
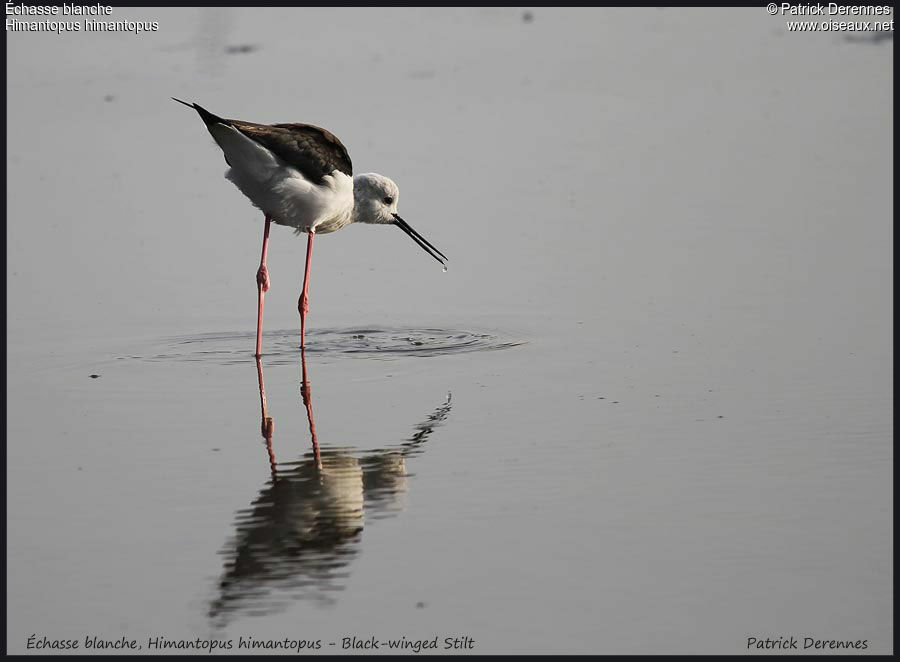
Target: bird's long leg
point(262, 283)
point(303, 304)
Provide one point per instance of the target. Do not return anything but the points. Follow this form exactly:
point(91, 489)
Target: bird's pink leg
point(303, 304)
point(262, 282)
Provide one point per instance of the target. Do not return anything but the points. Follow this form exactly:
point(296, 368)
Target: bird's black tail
point(207, 117)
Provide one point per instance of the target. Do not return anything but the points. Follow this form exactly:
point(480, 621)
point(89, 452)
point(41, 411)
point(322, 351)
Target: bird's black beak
point(419, 239)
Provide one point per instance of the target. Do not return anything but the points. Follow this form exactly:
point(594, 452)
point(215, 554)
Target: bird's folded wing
point(315, 152)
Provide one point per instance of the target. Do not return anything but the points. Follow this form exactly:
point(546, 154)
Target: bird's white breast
point(282, 192)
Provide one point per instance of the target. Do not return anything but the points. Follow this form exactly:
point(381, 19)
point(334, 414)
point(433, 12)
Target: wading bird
point(301, 176)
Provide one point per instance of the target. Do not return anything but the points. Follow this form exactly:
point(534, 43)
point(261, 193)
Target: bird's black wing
point(312, 150)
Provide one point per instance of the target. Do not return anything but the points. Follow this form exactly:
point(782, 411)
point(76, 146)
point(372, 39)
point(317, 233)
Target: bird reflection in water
point(298, 536)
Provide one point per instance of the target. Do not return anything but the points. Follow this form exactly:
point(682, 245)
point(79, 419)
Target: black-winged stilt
point(301, 176)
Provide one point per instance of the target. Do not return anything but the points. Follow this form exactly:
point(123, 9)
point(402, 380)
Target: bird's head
point(375, 198)
point(375, 201)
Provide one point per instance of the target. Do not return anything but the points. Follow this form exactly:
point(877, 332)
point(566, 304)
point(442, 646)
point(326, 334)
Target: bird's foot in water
point(262, 278)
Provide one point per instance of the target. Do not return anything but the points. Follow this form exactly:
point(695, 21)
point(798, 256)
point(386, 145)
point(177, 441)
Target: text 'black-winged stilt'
point(301, 176)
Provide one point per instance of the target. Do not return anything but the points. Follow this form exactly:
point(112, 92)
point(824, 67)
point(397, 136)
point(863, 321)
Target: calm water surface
point(648, 409)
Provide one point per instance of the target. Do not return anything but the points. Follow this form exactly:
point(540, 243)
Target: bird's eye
point(388, 200)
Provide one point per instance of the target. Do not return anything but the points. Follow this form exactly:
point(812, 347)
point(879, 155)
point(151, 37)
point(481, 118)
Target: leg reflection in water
point(267, 427)
point(305, 526)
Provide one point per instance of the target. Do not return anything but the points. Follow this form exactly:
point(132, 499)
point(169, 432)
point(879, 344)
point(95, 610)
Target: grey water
point(648, 409)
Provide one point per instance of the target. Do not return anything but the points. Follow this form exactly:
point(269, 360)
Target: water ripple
point(282, 347)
